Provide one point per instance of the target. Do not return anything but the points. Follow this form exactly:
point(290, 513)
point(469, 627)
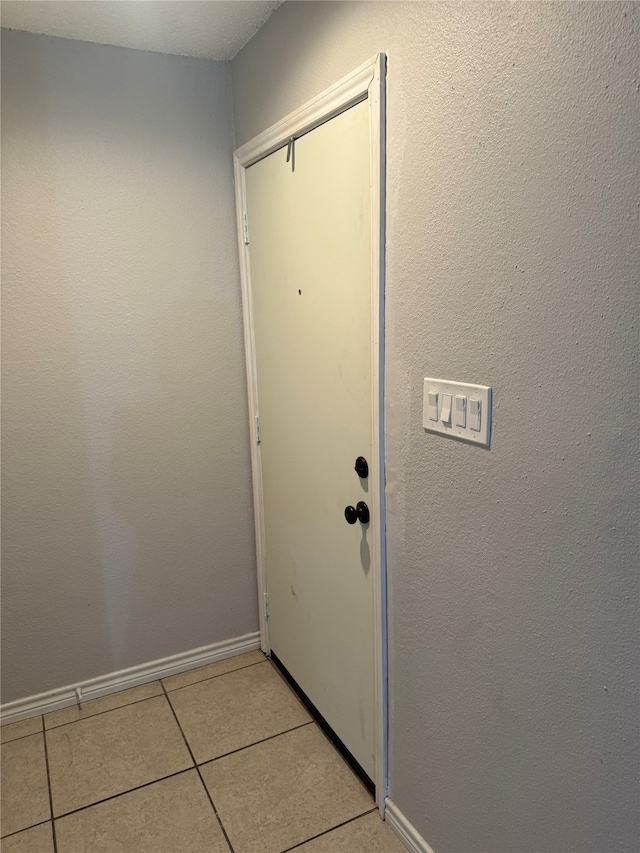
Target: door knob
point(359, 512)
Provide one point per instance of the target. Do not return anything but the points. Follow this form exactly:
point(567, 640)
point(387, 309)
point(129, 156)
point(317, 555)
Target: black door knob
point(362, 467)
point(363, 512)
point(351, 514)
point(359, 512)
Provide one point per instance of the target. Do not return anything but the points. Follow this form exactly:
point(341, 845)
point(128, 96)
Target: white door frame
point(365, 83)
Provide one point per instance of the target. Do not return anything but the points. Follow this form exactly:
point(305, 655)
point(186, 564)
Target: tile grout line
point(336, 743)
point(22, 737)
point(206, 790)
point(210, 677)
point(134, 702)
point(196, 766)
point(333, 746)
point(121, 794)
point(46, 761)
point(153, 781)
point(255, 743)
point(100, 713)
point(331, 829)
point(32, 826)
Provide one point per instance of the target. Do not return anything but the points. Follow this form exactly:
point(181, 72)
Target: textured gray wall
point(127, 518)
point(512, 261)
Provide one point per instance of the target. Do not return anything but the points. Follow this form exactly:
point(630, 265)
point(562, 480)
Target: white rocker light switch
point(446, 409)
point(475, 416)
point(432, 406)
point(464, 410)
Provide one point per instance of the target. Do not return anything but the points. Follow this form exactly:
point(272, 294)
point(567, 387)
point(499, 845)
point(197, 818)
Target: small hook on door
point(291, 153)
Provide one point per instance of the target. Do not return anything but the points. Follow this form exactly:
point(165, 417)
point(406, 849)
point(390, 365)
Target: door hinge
point(245, 228)
point(257, 429)
point(266, 604)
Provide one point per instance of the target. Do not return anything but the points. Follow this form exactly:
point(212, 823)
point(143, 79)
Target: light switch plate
point(481, 393)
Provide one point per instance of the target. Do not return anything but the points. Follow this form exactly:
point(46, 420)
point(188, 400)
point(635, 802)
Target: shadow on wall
point(171, 483)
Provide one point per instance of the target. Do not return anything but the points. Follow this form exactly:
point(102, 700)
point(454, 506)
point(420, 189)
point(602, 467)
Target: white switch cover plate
point(477, 404)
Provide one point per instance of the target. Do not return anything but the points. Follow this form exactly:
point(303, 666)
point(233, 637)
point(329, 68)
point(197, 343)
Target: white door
point(310, 259)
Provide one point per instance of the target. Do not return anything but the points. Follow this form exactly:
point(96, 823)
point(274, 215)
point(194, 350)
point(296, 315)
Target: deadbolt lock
point(362, 467)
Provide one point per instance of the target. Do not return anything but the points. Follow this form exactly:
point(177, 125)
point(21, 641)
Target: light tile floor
point(221, 758)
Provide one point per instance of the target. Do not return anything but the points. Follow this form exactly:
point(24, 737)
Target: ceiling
point(209, 29)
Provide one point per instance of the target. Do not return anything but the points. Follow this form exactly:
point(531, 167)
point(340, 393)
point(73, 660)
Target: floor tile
point(219, 667)
point(25, 792)
point(38, 839)
point(104, 703)
point(235, 710)
point(20, 729)
point(168, 816)
point(283, 791)
point(368, 834)
point(113, 752)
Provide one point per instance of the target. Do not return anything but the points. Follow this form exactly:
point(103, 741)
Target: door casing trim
point(367, 82)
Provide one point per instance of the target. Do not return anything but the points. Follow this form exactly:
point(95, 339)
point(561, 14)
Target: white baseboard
point(62, 697)
point(406, 832)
